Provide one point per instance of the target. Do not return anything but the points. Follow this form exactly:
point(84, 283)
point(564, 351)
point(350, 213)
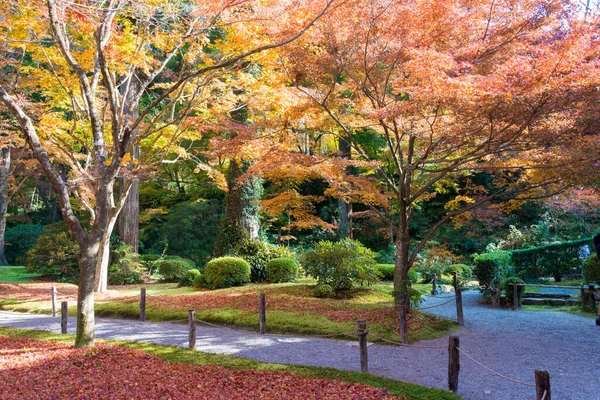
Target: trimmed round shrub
point(341, 264)
point(173, 269)
point(189, 278)
point(226, 272)
point(510, 289)
point(591, 269)
point(258, 253)
point(464, 273)
point(323, 290)
point(281, 270)
point(55, 253)
point(386, 272)
point(199, 281)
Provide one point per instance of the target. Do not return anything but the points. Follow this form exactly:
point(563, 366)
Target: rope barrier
point(494, 372)
point(407, 345)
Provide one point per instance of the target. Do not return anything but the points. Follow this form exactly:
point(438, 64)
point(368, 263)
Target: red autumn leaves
point(32, 369)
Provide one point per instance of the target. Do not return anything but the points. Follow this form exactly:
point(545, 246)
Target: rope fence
point(542, 378)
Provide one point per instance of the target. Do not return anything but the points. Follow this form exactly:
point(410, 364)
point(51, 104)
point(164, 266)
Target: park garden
point(330, 161)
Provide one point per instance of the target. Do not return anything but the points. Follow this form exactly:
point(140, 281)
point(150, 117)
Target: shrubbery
point(125, 268)
point(19, 240)
point(323, 290)
point(490, 267)
point(226, 272)
point(55, 253)
point(258, 253)
point(190, 277)
point(591, 269)
point(281, 269)
point(341, 264)
point(173, 268)
point(556, 260)
point(148, 262)
point(386, 273)
point(464, 273)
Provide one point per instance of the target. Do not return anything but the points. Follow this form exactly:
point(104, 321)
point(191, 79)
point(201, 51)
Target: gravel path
point(511, 343)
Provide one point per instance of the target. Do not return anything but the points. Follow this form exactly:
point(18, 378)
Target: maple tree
point(446, 88)
point(93, 63)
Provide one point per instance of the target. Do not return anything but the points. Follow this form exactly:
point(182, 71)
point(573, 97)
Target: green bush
point(510, 289)
point(464, 273)
point(125, 268)
point(148, 262)
point(281, 269)
point(173, 268)
point(591, 269)
point(386, 273)
point(186, 231)
point(226, 272)
point(258, 253)
point(340, 264)
point(556, 260)
point(190, 277)
point(19, 239)
point(55, 253)
point(199, 281)
point(323, 290)
point(490, 267)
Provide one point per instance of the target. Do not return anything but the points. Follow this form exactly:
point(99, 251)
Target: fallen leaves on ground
point(35, 369)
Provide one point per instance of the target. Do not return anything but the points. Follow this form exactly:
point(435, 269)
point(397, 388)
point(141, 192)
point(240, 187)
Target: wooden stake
point(592, 294)
point(54, 301)
point(362, 344)
point(142, 304)
point(262, 314)
point(515, 296)
point(453, 363)
point(542, 385)
point(582, 296)
point(64, 308)
point(192, 329)
point(460, 319)
point(598, 318)
point(433, 288)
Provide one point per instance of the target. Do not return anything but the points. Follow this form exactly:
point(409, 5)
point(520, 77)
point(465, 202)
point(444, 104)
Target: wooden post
point(460, 319)
point(192, 329)
point(515, 296)
point(64, 308)
point(592, 294)
point(433, 288)
point(454, 280)
point(54, 301)
point(362, 344)
point(262, 313)
point(598, 318)
point(582, 297)
point(453, 363)
point(542, 385)
point(143, 304)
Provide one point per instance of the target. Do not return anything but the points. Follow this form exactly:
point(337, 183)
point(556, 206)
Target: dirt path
point(511, 343)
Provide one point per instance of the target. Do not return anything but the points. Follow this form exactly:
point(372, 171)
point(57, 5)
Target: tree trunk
point(401, 286)
point(128, 221)
point(103, 261)
point(345, 209)
point(85, 333)
point(4, 177)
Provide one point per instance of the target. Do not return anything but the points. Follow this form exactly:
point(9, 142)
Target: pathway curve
point(511, 343)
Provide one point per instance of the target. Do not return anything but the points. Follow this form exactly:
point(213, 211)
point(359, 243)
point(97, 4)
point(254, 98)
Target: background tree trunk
point(345, 209)
point(128, 225)
point(4, 199)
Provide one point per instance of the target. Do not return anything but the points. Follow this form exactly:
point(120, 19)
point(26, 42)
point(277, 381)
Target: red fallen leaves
point(32, 369)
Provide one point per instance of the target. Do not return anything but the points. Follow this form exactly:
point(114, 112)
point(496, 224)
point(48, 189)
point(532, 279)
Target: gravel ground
point(511, 343)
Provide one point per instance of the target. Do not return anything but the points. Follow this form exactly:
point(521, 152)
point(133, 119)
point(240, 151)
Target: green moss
point(186, 356)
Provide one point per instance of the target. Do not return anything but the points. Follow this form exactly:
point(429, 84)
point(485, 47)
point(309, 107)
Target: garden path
point(509, 342)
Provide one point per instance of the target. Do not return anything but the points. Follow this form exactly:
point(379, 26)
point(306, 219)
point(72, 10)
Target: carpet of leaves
point(35, 369)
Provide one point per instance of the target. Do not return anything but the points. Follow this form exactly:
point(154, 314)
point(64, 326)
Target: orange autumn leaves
point(32, 369)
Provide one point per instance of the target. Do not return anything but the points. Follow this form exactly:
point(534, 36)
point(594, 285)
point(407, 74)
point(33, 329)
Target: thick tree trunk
point(128, 221)
point(84, 336)
point(401, 284)
point(103, 261)
point(4, 177)
point(241, 201)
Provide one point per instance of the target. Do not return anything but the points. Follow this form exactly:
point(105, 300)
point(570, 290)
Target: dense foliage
point(509, 289)
point(281, 269)
point(553, 260)
point(55, 253)
point(464, 273)
point(173, 268)
point(591, 269)
point(190, 277)
point(258, 253)
point(341, 265)
point(490, 268)
point(225, 272)
point(19, 239)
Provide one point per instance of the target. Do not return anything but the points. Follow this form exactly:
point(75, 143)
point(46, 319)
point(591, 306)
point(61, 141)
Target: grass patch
point(16, 274)
point(186, 356)
point(576, 310)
